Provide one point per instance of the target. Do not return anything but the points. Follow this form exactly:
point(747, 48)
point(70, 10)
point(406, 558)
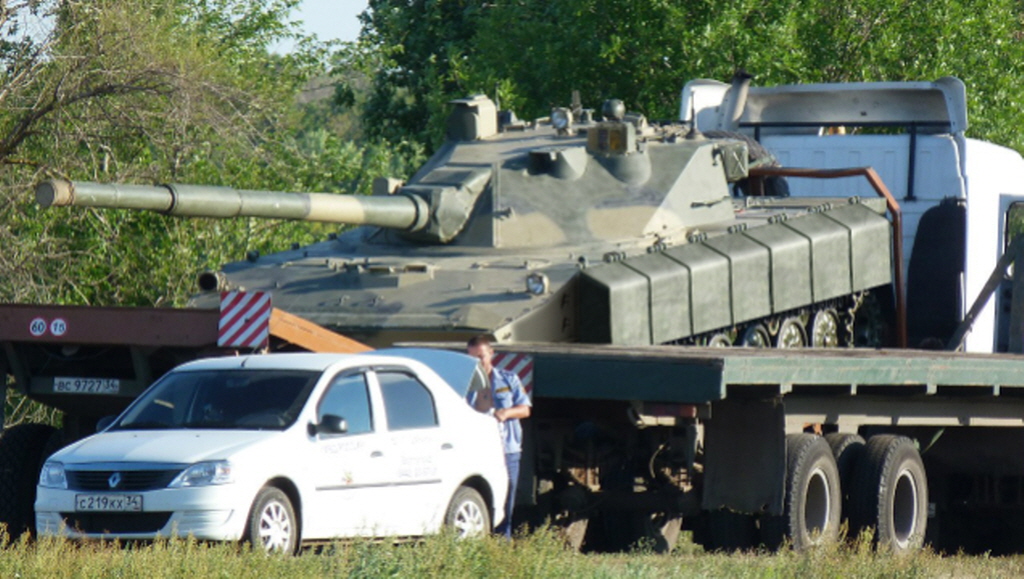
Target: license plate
point(108, 503)
point(65, 385)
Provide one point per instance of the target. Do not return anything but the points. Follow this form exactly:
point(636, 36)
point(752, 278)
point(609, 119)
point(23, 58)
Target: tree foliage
point(533, 53)
point(148, 92)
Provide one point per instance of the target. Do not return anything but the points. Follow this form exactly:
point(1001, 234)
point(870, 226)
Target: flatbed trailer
point(665, 438)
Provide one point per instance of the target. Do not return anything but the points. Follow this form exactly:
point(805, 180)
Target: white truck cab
point(955, 193)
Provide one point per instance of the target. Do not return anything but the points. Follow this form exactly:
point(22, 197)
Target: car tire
point(273, 526)
point(890, 493)
point(21, 457)
point(468, 514)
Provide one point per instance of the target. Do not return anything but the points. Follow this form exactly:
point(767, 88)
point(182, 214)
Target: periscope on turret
point(566, 228)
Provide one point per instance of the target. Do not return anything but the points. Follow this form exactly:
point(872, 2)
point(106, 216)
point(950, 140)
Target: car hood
point(172, 446)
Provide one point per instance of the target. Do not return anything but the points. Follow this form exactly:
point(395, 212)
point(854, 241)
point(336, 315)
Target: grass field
point(537, 555)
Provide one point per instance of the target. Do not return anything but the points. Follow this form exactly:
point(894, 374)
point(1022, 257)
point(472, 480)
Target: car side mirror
point(330, 424)
point(104, 422)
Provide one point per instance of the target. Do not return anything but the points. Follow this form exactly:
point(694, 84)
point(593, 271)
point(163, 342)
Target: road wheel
point(890, 493)
point(719, 340)
point(21, 457)
point(272, 522)
point(468, 514)
point(756, 336)
point(813, 496)
point(825, 329)
point(791, 334)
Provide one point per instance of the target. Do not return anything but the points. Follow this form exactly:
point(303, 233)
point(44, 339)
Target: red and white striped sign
point(520, 364)
point(244, 320)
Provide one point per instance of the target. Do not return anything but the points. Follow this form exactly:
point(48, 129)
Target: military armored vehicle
point(562, 229)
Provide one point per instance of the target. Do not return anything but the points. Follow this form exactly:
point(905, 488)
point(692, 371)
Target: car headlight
point(52, 476)
point(217, 472)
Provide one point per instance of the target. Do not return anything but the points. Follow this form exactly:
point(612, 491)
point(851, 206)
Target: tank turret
point(567, 228)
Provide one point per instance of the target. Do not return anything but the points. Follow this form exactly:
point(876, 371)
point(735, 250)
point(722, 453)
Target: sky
point(331, 19)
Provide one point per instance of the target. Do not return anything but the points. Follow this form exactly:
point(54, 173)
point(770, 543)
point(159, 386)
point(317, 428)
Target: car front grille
point(116, 522)
point(131, 480)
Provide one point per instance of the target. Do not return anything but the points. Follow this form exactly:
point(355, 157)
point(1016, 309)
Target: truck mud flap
point(745, 457)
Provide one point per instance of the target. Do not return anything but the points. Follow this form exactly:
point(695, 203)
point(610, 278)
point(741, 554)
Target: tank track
point(845, 309)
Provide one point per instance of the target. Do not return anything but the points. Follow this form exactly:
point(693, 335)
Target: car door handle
point(376, 454)
point(447, 446)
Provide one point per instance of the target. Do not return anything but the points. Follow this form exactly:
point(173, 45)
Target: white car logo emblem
point(114, 480)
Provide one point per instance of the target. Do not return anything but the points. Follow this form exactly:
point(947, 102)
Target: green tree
point(165, 91)
point(533, 53)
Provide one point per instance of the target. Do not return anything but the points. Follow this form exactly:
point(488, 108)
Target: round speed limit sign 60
point(37, 327)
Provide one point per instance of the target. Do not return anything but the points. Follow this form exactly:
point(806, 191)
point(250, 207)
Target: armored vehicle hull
point(553, 231)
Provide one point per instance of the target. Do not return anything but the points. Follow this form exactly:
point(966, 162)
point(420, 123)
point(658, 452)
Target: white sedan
point(285, 448)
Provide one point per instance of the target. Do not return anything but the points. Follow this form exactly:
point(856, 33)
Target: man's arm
point(518, 411)
point(520, 401)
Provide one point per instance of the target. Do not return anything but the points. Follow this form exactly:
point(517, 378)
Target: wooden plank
point(312, 337)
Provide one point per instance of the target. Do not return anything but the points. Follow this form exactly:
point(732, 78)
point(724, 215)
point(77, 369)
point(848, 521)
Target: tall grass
point(540, 554)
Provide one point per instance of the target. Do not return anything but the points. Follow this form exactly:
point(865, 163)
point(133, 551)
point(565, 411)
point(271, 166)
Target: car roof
point(296, 361)
point(454, 367)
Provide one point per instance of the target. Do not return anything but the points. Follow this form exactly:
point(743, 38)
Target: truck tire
point(813, 506)
point(467, 514)
point(889, 493)
point(847, 448)
point(273, 526)
point(21, 456)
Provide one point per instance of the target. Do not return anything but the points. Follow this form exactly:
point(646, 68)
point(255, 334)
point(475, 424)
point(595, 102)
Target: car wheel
point(272, 523)
point(468, 514)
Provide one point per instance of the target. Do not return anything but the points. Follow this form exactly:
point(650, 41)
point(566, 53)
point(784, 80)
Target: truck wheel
point(21, 456)
point(890, 493)
point(467, 514)
point(847, 448)
point(813, 496)
point(272, 523)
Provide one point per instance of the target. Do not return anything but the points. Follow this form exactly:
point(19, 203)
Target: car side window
point(348, 397)
point(407, 402)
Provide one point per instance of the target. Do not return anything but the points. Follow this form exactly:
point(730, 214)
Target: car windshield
point(221, 399)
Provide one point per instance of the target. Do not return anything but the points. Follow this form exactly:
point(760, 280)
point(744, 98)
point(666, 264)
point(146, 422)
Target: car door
point(352, 466)
point(416, 441)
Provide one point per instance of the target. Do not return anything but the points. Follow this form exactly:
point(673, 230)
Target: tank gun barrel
point(405, 212)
